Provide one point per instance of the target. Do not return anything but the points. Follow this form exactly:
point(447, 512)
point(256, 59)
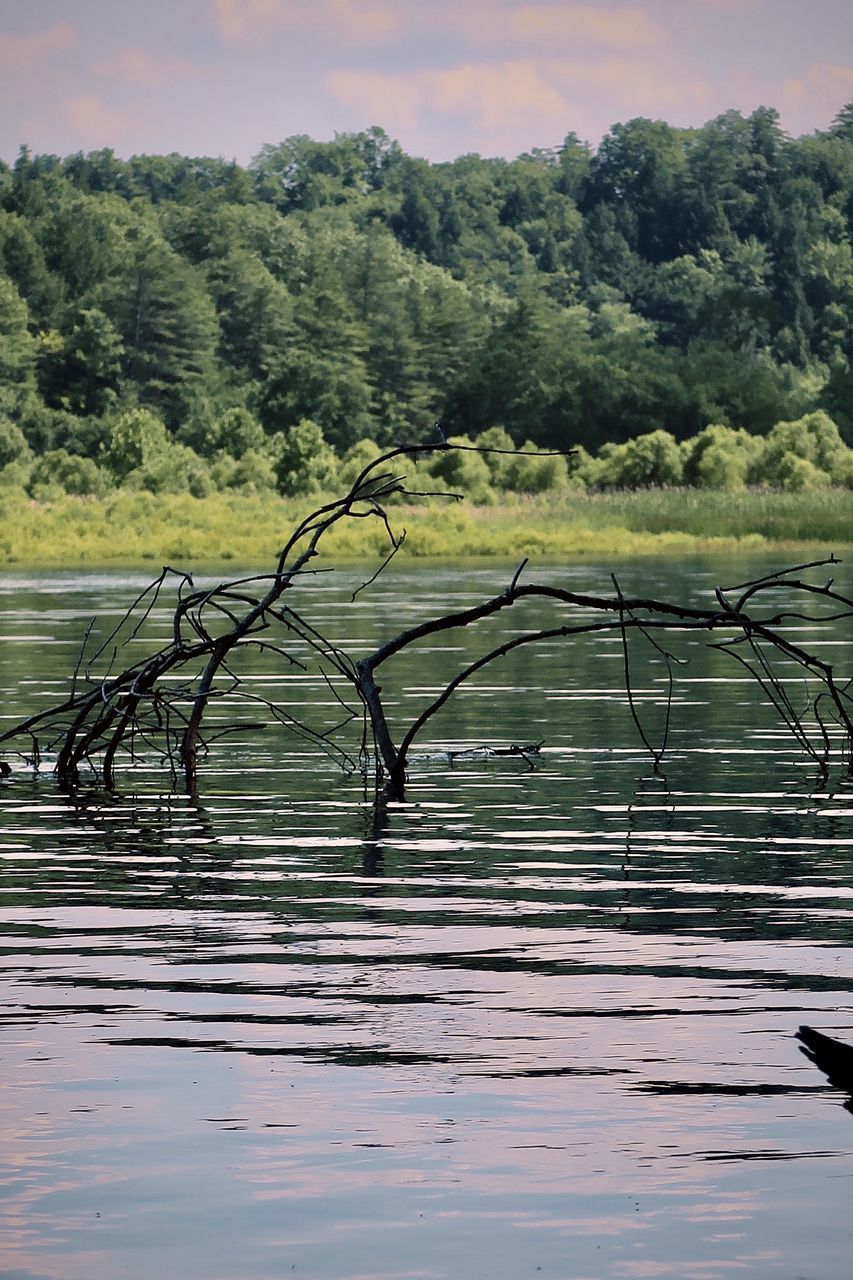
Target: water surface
point(534, 1021)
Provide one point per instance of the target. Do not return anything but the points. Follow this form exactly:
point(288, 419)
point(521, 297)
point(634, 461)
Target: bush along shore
point(127, 528)
point(148, 497)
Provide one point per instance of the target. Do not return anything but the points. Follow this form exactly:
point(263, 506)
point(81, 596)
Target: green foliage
point(813, 439)
point(302, 460)
point(91, 369)
point(305, 382)
point(356, 458)
point(500, 464)
point(168, 326)
point(670, 278)
point(464, 473)
point(210, 431)
point(13, 443)
point(532, 471)
point(137, 439)
point(650, 460)
point(17, 350)
point(254, 472)
point(798, 475)
point(58, 471)
point(141, 455)
point(720, 458)
point(176, 470)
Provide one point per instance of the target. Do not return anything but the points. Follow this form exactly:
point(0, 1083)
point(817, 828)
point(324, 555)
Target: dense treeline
point(173, 321)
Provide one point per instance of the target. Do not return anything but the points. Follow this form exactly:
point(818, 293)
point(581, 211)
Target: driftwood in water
point(833, 1057)
point(160, 701)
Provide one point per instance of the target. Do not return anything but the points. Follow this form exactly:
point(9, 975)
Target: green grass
point(132, 528)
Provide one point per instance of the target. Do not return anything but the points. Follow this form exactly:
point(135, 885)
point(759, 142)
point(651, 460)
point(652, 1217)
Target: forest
point(676, 305)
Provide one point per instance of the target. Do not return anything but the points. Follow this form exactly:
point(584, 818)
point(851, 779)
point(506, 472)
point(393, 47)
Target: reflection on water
point(532, 1022)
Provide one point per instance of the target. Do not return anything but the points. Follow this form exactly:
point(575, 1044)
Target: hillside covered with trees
point(679, 303)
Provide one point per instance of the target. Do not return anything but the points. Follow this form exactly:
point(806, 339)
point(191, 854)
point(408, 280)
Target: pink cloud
point(586, 24)
point(495, 96)
point(142, 70)
point(366, 21)
point(819, 94)
point(243, 22)
point(639, 85)
point(98, 123)
point(239, 20)
point(518, 94)
point(24, 53)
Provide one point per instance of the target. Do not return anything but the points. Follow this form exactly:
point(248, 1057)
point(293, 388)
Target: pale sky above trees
point(444, 77)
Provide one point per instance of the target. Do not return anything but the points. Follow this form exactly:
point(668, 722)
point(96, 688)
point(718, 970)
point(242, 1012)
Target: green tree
point(463, 472)
point(17, 351)
point(653, 459)
point(813, 439)
point(638, 172)
point(137, 439)
point(58, 470)
point(303, 461)
point(168, 326)
point(210, 430)
point(13, 443)
point(87, 367)
point(720, 457)
point(255, 313)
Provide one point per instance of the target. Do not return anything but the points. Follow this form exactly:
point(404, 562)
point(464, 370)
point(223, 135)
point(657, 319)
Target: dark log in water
point(832, 1057)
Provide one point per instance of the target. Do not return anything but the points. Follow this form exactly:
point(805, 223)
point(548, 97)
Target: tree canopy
point(671, 280)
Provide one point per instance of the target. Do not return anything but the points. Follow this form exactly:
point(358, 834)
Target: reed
point(136, 528)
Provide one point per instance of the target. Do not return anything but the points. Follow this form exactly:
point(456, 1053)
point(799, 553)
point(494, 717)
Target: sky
point(443, 77)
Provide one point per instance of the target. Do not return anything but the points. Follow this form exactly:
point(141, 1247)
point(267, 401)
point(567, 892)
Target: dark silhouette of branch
point(161, 701)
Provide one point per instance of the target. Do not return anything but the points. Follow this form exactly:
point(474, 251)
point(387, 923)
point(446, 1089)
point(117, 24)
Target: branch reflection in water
point(526, 1018)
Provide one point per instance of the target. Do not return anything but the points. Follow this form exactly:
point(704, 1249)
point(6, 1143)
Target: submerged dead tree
point(160, 702)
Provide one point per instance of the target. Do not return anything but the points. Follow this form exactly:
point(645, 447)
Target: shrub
point(796, 474)
point(813, 438)
point(356, 459)
point(176, 469)
point(66, 472)
point(534, 472)
point(463, 472)
point(253, 473)
point(650, 459)
point(499, 464)
point(303, 461)
point(720, 457)
point(234, 432)
point(137, 440)
point(13, 443)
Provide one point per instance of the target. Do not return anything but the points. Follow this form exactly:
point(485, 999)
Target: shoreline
point(140, 529)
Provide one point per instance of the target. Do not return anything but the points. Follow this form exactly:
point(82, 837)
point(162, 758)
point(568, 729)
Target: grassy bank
point(132, 528)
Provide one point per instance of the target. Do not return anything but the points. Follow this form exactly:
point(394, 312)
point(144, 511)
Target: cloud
point(239, 20)
point(24, 53)
point(575, 24)
point(496, 95)
point(142, 70)
point(25, 59)
point(642, 86)
point(245, 22)
point(819, 94)
point(95, 121)
point(505, 98)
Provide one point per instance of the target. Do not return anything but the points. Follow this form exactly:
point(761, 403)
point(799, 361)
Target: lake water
point(536, 1021)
